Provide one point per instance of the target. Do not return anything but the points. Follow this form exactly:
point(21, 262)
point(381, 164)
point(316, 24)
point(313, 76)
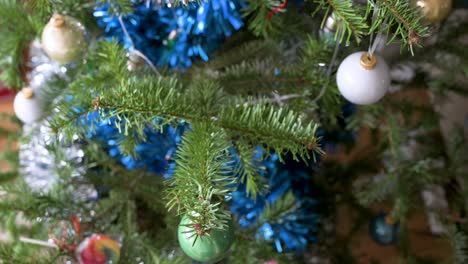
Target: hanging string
point(330, 68)
point(135, 51)
point(379, 38)
point(276, 9)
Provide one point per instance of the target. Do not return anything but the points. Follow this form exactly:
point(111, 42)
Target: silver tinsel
point(41, 163)
point(43, 154)
point(43, 69)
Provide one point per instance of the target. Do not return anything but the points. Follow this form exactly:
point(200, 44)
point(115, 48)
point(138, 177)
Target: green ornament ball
point(208, 248)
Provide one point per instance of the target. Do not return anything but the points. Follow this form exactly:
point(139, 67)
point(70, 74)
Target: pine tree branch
point(257, 11)
point(247, 170)
point(350, 21)
point(400, 15)
point(202, 178)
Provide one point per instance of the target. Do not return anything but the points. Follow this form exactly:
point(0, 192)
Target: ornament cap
point(368, 61)
point(27, 92)
point(58, 20)
point(389, 220)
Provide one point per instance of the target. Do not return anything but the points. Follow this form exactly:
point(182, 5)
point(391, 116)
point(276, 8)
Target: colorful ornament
point(210, 247)
point(27, 107)
point(98, 249)
point(64, 39)
point(384, 229)
point(435, 10)
point(363, 78)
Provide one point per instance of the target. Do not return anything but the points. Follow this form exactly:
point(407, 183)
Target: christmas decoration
point(155, 153)
point(98, 249)
point(363, 78)
point(41, 167)
point(384, 229)
point(210, 247)
point(435, 201)
point(171, 36)
point(296, 228)
point(66, 234)
point(435, 10)
point(329, 28)
point(43, 71)
point(258, 119)
point(64, 39)
point(134, 61)
point(27, 106)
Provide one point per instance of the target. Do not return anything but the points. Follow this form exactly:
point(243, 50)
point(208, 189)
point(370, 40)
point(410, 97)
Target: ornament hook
point(27, 92)
point(58, 20)
point(368, 61)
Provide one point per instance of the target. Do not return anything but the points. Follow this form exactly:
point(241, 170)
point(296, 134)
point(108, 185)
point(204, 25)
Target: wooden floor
point(423, 243)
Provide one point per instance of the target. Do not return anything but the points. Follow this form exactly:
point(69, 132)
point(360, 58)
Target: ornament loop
point(368, 61)
point(27, 92)
point(57, 20)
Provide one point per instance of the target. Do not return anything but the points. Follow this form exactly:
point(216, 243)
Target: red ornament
point(98, 249)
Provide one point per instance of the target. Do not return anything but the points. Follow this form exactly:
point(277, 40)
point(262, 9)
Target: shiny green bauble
point(208, 248)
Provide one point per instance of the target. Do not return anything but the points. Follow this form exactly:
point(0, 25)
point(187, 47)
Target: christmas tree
point(231, 131)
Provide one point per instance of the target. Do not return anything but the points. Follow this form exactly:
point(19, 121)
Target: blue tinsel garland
point(291, 232)
point(174, 36)
point(154, 154)
point(294, 230)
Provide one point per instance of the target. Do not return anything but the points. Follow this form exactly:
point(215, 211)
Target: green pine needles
point(219, 122)
point(203, 178)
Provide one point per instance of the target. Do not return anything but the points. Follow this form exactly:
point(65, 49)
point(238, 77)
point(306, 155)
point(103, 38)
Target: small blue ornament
point(382, 232)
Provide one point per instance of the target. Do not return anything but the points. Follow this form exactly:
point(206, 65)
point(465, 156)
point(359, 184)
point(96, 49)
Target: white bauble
point(64, 39)
point(27, 106)
point(363, 84)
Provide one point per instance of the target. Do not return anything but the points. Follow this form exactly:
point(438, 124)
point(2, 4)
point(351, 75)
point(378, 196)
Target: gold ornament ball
point(64, 39)
point(435, 10)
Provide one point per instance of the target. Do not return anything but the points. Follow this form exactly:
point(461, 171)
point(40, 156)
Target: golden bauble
point(435, 10)
point(64, 39)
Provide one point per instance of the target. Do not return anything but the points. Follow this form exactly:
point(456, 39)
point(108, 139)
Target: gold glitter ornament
point(434, 10)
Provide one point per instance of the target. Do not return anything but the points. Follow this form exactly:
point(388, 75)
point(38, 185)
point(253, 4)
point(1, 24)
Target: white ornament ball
point(362, 79)
point(27, 107)
point(64, 39)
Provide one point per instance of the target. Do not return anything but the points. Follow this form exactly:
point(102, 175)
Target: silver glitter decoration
point(43, 69)
point(43, 154)
point(40, 166)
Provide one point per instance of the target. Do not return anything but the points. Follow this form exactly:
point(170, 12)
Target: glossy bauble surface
point(208, 248)
point(361, 85)
point(64, 39)
point(382, 232)
point(98, 249)
point(435, 10)
point(27, 107)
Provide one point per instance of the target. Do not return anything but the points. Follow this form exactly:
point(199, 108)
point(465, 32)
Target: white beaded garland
point(27, 107)
point(64, 39)
point(362, 79)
